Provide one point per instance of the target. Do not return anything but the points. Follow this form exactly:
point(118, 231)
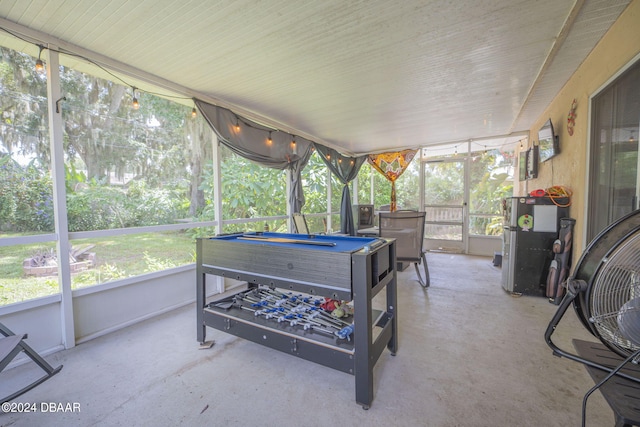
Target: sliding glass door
point(614, 179)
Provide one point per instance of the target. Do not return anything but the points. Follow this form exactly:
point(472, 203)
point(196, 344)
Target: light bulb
point(39, 66)
point(194, 113)
point(134, 103)
point(39, 63)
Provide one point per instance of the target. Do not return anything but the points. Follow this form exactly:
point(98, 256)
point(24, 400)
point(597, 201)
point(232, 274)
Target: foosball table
point(288, 277)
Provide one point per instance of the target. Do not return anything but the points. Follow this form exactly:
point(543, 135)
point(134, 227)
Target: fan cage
point(617, 283)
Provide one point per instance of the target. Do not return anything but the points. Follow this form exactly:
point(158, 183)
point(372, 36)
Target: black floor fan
point(604, 290)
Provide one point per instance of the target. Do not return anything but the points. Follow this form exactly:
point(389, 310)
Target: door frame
point(459, 246)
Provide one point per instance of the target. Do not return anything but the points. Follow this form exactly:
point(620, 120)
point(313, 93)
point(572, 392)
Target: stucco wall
point(619, 46)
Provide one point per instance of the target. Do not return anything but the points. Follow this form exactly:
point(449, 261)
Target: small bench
point(10, 346)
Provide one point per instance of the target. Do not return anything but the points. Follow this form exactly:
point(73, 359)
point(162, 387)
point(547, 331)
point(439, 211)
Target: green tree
point(23, 107)
point(249, 190)
point(160, 145)
point(314, 177)
point(490, 183)
point(25, 197)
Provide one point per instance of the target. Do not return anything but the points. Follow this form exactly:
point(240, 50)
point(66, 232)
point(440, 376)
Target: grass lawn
point(116, 258)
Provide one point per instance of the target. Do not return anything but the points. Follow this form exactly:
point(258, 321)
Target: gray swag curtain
point(251, 141)
point(346, 169)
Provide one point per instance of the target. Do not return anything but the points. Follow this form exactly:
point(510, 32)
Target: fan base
point(620, 393)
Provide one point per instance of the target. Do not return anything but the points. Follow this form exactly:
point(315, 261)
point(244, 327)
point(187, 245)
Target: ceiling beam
point(557, 44)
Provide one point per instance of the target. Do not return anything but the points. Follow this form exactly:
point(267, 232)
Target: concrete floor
point(469, 355)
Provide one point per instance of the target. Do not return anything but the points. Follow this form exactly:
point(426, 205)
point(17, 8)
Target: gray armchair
point(300, 223)
point(407, 227)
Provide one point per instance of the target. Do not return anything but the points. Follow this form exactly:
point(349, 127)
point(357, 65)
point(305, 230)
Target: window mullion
point(59, 195)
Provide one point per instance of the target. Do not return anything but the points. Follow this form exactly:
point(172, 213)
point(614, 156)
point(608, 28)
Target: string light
point(135, 102)
point(39, 63)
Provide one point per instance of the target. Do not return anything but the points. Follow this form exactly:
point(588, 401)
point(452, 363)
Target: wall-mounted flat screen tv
point(548, 145)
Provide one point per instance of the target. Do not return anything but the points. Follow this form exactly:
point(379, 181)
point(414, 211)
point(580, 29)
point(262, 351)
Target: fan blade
point(629, 320)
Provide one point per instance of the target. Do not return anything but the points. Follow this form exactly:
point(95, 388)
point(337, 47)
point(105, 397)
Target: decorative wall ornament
point(571, 119)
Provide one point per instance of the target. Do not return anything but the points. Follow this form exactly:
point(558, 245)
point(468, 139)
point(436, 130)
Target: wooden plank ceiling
point(358, 75)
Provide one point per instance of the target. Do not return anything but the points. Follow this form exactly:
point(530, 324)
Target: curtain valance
point(260, 144)
point(346, 169)
point(392, 165)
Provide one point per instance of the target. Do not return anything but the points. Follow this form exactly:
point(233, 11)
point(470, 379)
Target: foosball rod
point(312, 322)
point(323, 312)
point(271, 312)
